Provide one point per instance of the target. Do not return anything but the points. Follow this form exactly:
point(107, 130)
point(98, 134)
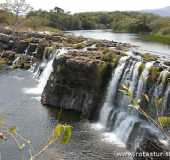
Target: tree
point(17, 7)
point(58, 10)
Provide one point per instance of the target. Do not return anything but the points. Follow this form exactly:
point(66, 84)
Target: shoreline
point(156, 38)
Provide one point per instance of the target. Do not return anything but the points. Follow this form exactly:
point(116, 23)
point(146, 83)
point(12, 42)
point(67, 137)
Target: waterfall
point(116, 119)
point(143, 78)
point(124, 129)
point(111, 91)
point(47, 68)
point(42, 80)
point(134, 81)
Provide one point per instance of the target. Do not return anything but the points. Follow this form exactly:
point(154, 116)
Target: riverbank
point(156, 38)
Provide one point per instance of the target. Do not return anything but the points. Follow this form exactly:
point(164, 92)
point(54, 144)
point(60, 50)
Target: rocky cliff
point(79, 80)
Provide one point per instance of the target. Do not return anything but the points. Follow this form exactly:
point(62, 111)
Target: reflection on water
point(36, 122)
point(155, 47)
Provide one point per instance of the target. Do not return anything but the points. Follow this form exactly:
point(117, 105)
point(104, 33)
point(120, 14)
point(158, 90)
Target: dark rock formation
point(78, 82)
point(150, 148)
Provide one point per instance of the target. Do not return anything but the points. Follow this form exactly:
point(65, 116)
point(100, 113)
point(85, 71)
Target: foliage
point(158, 121)
point(149, 57)
point(154, 73)
point(134, 22)
point(61, 133)
point(164, 121)
point(141, 68)
point(6, 18)
point(157, 37)
point(17, 7)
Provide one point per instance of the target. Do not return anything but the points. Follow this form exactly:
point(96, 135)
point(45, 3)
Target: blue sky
point(98, 5)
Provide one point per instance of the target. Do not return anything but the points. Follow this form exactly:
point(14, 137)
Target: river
point(134, 39)
point(36, 122)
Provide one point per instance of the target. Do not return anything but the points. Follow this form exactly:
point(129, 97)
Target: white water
point(42, 81)
point(143, 79)
point(48, 69)
point(123, 123)
point(135, 77)
point(125, 128)
point(111, 91)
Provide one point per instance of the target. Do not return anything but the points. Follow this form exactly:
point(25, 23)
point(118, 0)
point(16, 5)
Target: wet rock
point(77, 83)
point(9, 56)
point(21, 46)
point(41, 47)
point(150, 148)
point(31, 48)
point(22, 61)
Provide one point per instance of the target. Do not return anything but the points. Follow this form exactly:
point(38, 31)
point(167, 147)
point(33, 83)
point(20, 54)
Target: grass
point(156, 38)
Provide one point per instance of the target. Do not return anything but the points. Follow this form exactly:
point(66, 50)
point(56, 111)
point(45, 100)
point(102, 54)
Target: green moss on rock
point(141, 68)
point(154, 73)
point(111, 57)
point(149, 57)
point(79, 46)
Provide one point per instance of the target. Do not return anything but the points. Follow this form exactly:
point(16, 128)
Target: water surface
point(36, 122)
point(134, 39)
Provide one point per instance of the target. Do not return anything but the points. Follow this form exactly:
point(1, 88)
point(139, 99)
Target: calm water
point(154, 47)
point(36, 122)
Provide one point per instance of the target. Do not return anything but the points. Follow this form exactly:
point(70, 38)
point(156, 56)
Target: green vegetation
point(156, 27)
point(79, 46)
point(149, 57)
point(156, 37)
point(110, 57)
point(154, 73)
point(159, 121)
point(61, 133)
point(141, 68)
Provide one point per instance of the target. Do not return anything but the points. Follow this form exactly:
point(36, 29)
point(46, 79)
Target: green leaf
point(124, 87)
point(136, 103)
point(21, 147)
point(146, 97)
point(13, 130)
point(58, 131)
point(164, 121)
point(67, 134)
point(123, 91)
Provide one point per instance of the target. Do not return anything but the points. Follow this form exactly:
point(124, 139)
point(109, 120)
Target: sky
point(98, 5)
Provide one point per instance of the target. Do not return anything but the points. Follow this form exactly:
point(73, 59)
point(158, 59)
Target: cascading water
point(115, 117)
point(134, 81)
point(142, 80)
point(44, 76)
point(111, 91)
point(43, 79)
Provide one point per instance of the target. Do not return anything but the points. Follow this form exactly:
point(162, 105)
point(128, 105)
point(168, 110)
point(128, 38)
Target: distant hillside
point(162, 11)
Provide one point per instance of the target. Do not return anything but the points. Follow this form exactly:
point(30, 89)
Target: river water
point(134, 39)
point(36, 122)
